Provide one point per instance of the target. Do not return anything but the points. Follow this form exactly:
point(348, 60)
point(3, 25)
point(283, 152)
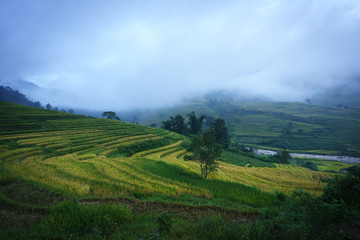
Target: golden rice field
point(86, 157)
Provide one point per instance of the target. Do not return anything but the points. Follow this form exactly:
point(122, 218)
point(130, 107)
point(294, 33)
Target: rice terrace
point(49, 157)
point(180, 120)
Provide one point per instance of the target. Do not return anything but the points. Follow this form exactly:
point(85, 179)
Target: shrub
point(345, 189)
point(302, 216)
point(310, 165)
point(280, 196)
point(164, 220)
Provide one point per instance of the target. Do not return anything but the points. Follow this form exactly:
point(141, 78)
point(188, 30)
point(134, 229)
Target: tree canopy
point(220, 131)
point(175, 124)
point(195, 122)
point(283, 156)
point(110, 115)
point(205, 150)
point(179, 124)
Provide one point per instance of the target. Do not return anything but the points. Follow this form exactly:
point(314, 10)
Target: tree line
point(193, 125)
point(206, 146)
point(7, 94)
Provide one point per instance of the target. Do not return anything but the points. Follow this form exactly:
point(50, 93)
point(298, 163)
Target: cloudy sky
point(125, 54)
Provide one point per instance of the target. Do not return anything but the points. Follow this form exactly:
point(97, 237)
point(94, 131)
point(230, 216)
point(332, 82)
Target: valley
point(299, 127)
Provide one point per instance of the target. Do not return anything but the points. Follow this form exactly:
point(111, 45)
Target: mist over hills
point(270, 76)
point(20, 85)
point(339, 95)
point(34, 92)
point(7, 94)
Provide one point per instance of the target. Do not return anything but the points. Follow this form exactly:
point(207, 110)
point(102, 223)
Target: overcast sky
point(124, 54)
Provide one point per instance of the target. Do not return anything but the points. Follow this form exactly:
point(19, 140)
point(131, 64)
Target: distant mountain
point(60, 98)
point(20, 85)
point(29, 89)
point(7, 94)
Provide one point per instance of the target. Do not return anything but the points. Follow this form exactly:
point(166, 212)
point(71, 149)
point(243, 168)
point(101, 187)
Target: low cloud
point(122, 55)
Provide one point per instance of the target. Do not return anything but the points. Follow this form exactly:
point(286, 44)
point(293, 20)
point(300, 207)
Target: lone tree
point(110, 115)
point(205, 150)
point(195, 123)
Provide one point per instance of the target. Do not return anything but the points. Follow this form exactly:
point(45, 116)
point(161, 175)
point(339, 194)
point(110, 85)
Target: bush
point(164, 220)
point(302, 216)
point(345, 189)
point(280, 196)
point(310, 165)
point(283, 156)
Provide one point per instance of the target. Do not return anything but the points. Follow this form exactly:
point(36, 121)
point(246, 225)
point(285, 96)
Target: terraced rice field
point(87, 157)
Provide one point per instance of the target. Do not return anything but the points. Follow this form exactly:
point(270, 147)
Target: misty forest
point(147, 120)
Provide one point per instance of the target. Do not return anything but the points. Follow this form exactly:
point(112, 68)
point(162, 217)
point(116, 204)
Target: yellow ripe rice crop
point(69, 153)
point(157, 150)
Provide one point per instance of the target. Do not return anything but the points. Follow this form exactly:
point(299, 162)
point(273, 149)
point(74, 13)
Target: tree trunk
point(206, 171)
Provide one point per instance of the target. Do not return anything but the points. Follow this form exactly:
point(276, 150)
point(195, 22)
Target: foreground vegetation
point(66, 176)
point(300, 215)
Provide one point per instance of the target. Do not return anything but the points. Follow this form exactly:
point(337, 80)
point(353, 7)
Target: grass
point(71, 220)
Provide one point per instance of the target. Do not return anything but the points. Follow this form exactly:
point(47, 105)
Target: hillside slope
point(65, 175)
point(276, 125)
point(86, 158)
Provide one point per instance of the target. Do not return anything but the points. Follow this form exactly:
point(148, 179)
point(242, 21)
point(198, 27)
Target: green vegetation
point(175, 124)
point(195, 122)
point(71, 220)
point(245, 161)
point(66, 176)
point(322, 165)
point(110, 115)
point(283, 156)
point(205, 150)
point(298, 127)
point(221, 131)
point(127, 151)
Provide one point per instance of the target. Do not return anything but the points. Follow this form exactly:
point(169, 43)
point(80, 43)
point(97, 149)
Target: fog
point(135, 54)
